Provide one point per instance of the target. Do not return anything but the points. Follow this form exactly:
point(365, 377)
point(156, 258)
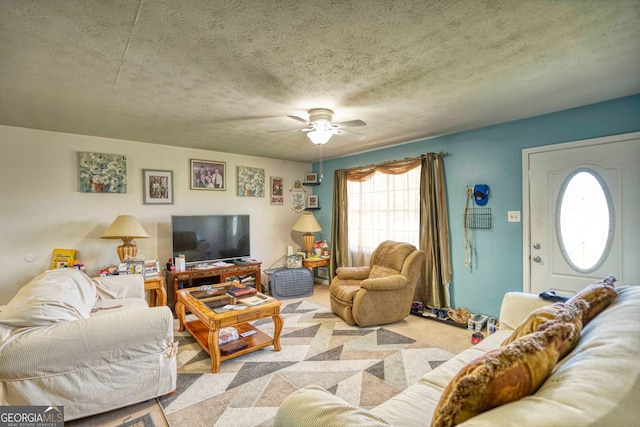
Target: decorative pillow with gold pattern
point(543, 317)
point(505, 374)
point(598, 296)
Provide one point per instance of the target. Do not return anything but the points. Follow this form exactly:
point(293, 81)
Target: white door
point(581, 205)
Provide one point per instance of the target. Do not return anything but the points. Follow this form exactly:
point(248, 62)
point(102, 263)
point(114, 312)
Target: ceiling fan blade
point(291, 130)
point(300, 119)
point(349, 124)
point(349, 134)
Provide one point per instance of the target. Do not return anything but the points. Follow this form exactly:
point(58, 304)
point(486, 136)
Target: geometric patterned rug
point(364, 366)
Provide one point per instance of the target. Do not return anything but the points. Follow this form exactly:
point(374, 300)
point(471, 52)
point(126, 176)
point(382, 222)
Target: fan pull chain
point(320, 174)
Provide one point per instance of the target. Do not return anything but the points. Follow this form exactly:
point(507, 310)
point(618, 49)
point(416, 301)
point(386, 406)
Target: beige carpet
point(364, 366)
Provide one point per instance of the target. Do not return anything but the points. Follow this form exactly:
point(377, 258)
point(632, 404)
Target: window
point(385, 207)
point(584, 220)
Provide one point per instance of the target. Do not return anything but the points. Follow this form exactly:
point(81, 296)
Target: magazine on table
point(254, 300)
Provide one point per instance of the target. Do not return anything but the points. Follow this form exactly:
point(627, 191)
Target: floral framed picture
point(250, 182)
point(157, 187)
point(311, 178)
point(312, 202)
point(277, 190)
point(102, 173)
point(208, 175)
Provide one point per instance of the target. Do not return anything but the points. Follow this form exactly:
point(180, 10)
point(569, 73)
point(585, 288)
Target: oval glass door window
point(584, 220)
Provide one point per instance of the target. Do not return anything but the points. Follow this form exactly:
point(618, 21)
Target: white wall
point(42, 209)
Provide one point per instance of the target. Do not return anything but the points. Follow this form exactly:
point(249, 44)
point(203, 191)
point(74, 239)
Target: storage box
point(291, 283)
point(477, 322)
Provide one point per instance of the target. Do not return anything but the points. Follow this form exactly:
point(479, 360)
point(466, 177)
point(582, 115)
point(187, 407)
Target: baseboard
point(445, 321)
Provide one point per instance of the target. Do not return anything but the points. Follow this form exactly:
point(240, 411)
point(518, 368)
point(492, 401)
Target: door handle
point(536, 259)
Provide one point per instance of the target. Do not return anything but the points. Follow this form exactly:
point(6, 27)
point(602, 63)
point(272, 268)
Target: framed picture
point(250, 182)
point(310, 178)
point(157, 187)
point(131, 267)
point(277, 190)
point(102, 173)
point(312, 201)
point(208, 175)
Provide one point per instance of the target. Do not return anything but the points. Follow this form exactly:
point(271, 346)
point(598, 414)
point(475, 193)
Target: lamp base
point(307, 241)
point(127, 249)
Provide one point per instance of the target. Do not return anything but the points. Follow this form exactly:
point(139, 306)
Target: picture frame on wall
point(311, 178)
point(313, 201)
point(251, 181)
point(102, 173)
point(208, 175)
point(277, 190)
point(157, 187)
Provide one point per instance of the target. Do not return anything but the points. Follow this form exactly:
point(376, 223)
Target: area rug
point(364, 366)
point(143, 414)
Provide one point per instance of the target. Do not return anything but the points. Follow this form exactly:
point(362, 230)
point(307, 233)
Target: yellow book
point(63, 258)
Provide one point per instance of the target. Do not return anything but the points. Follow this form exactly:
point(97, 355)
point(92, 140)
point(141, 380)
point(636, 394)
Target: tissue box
point(476, 322)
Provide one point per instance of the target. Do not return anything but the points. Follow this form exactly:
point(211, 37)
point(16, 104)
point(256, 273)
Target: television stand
point(248, 274)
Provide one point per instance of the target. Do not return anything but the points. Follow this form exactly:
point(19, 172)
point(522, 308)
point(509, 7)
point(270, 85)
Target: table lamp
point(127, 228)
point(307, 224)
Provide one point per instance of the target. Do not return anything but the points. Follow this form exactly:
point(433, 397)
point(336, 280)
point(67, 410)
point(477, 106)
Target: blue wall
point(493, 156)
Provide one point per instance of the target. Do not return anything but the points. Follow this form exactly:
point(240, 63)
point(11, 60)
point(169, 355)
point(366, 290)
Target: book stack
point(207, 292)
point(151, 268)
point(238, 292)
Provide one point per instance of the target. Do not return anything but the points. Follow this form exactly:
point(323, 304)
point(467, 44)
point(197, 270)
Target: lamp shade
point(307, 223)
point(125, 226)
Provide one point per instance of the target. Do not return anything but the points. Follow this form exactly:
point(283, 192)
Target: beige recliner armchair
point(381, 292)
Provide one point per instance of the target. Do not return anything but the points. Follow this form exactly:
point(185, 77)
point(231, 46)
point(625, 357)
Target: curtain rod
point(388, 162)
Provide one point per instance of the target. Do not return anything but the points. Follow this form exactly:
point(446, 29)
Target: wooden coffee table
point(205, 328)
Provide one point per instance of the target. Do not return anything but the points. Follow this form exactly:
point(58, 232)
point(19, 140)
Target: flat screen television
point(210, 238)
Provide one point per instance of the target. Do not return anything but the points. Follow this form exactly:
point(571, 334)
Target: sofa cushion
point(504, 375)
point(344, 292)
point(378, 271)
point(108, 306)
point(52, 297)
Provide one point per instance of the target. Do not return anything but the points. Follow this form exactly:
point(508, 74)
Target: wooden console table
point(196, 277)
point(310, 263)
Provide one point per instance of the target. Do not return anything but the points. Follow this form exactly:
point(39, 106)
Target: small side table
point(157, 291)
point(311, 263)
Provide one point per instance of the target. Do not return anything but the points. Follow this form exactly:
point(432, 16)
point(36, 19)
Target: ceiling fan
point(320, 129)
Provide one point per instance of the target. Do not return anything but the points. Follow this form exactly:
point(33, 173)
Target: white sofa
point(90, 345)
point(597, 384)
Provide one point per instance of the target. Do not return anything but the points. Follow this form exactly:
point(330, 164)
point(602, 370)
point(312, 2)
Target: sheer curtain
point(382, 207)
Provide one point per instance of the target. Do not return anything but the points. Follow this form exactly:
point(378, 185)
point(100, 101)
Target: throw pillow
point(548, 315)
point(598, 296)
point(504, 375)
point(378, 271)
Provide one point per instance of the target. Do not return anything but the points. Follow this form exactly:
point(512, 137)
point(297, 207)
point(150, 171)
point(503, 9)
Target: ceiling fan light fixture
point(320, 136)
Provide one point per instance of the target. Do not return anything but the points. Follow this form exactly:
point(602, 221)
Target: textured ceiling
point(219, 75)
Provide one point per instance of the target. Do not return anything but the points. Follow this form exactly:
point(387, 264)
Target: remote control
point(262, 296)
point(248, 333)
